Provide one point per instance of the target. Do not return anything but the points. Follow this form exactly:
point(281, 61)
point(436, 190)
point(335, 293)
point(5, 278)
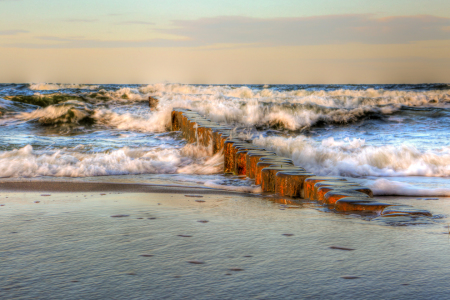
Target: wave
point(81, 113)
point(11, 106)
point(27, 162)
point(72, 112)
point(384, 187)
point(332, 98)
point(294, 110)
point(352, 158)
point(337, 98)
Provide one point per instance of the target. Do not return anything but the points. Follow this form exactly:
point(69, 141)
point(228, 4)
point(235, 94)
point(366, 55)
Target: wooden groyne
point(278, 175)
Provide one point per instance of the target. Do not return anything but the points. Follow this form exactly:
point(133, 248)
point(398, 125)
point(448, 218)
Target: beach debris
point(341, 248)
point(119, 216)
point(431, 199)
point(350, 277)
point(201, 201)
point(236, 269)
point(45, 195)
point(288, 234)
point(194, 196)
point(196, 262)
point(203, 221)
point(184, 235)
point(227, 274)
point(37, 201)
point(146, 255)
point(2, 204)
point(102, 194)
point(139, 218)
point(152, 218)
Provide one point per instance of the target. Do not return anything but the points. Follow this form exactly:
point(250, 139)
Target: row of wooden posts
point(278, 174)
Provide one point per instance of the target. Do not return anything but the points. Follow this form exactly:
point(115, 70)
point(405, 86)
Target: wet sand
point(80, 186)
point(60, 241)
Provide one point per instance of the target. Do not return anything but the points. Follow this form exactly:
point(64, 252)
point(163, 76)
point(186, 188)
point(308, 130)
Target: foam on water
point(384, 187)
point(293, 110)
point(353, 158)
point(27, 162)
point(390, 138)
point(220, 184)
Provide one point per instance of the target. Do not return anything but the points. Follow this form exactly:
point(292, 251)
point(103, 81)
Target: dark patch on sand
point(196, 262)
point(341, 248)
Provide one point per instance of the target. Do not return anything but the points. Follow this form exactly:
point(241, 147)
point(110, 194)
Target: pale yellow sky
point(350, 63)
point(235, 41)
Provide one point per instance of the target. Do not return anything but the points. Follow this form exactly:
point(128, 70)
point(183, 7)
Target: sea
point(394, 139)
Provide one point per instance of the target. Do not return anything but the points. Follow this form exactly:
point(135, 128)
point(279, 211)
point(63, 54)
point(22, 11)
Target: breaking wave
point(353, 158)
point(384, 187)
point(68, 112)
point(27, 162)
point(254, 106)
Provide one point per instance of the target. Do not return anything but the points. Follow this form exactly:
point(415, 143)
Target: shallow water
point(69, 247)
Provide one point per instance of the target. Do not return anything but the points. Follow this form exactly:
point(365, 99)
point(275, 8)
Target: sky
point(225, 42)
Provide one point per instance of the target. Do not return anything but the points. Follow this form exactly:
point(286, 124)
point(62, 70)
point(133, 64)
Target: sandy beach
point(97, 241)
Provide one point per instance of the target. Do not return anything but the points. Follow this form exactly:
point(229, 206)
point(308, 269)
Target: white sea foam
point(293, 110)
point(26, 162)
point(331, 98)
point(384, 187)
point(353, 158)
point(218, 184)
point(145, 122)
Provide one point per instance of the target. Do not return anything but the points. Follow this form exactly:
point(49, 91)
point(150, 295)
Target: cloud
point(263, 32)
point(12, 32)
point(334, 29)
point(135, 23)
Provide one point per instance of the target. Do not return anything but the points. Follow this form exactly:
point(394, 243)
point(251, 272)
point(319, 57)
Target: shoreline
point(75, 187)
